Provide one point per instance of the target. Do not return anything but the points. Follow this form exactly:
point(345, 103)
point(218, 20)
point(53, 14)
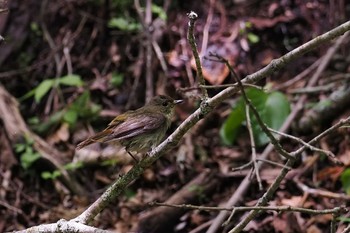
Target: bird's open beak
point(178, 101)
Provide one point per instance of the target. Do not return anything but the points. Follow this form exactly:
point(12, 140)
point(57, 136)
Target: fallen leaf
point(213, 71)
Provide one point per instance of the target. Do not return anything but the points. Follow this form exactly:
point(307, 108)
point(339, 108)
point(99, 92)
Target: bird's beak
point(178, 101)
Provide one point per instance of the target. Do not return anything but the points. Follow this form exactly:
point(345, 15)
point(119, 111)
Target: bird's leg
point(136, 160)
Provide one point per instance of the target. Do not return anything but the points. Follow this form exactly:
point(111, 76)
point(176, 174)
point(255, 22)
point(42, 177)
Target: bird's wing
point(135, 125)
point(119, 119)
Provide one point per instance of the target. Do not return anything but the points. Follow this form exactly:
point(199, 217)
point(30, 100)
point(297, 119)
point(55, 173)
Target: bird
point(138, 130)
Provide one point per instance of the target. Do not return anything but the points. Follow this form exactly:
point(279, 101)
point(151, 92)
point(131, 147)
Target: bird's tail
point(99, 137)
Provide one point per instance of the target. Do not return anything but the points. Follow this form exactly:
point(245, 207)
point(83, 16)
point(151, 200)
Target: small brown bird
point(139, 130)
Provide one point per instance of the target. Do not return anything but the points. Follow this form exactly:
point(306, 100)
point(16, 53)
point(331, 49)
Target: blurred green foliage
point(272, 107)
point(345, 180)
point(56, 173)
point(27, 154)
point(81, 108)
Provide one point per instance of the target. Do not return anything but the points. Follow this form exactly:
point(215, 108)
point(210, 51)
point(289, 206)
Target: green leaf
point(29, 157)
point(84, 108)
point(123, 24)
point(82, 101)
point(229, 130)
point(70, 116)
point(117, 79)
point(273, 109)
point(253, 38)
point(34, 120)
point(27, 95)
point(42, 89)
point(73, 166)
point(109, 162)
point(344, 219)
point(20, 147)
point(53, 121)
point(71, 80)
point(345, 180)
point(50, 175)
point(159, 11)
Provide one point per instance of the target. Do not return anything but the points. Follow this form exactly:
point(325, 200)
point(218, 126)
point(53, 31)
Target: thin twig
point(192, 41)
point(273, 163)
point(244, 166)
point(207, 27)
point(321, 193)
point(252, 145)
point(230, 85)
point(341, 209)
point(299, 76)
point(329, 154)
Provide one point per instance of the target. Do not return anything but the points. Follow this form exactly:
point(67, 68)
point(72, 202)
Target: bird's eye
point(165, 104)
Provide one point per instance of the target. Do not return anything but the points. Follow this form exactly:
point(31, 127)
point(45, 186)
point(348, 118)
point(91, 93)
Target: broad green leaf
point(273, 109)
point(229, 130)
point(344, 219)
point(71, 116)
point(71, 80)
point(27, 95)
point(345, 180)
point(82, 100)
point(42, 89)
point(20, 147)
point(84, 107)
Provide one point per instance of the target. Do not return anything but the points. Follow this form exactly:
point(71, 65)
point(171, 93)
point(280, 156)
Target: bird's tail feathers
point(99, 137)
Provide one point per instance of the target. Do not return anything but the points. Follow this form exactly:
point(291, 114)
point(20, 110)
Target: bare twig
point(192, 41)
point(300, 76)
point(207, 27)
point(242, 167)
point(252, 145)
point(329, 154)
point(322, 193)
point(230, 85)
point(273, 163)
point(341, 209)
